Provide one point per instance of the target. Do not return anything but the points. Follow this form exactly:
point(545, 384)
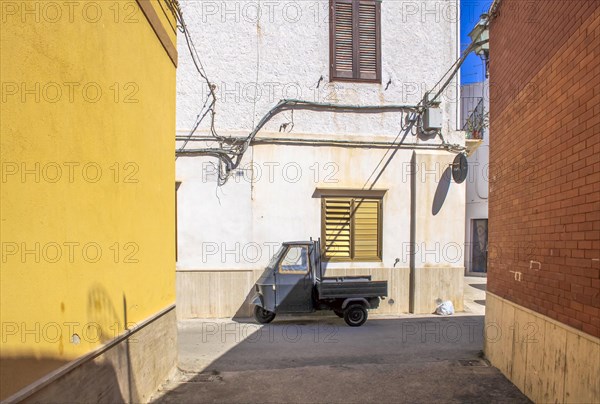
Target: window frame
point(308, 267)
point(352, 258)
point(355, 53)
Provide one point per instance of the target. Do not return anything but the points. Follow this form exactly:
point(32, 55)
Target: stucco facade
point(87, 280)
point(227, 234)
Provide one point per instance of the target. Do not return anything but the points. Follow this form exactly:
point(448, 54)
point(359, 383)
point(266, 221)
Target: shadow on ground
point(480, 286)
point(320, 359)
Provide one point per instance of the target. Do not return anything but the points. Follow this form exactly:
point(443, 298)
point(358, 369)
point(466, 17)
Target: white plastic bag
point(445, 308)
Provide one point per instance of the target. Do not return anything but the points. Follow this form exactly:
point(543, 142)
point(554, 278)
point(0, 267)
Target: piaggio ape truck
point(293, 282)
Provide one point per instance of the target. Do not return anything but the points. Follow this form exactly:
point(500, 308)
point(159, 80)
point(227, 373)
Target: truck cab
point(293, 282)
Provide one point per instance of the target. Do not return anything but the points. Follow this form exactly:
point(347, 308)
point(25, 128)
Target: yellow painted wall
point(88, 109)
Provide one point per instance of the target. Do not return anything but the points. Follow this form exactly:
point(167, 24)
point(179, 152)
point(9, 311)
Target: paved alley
point(320, 359)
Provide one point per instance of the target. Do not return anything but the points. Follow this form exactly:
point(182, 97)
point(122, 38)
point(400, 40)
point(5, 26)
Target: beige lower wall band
point(69, 367)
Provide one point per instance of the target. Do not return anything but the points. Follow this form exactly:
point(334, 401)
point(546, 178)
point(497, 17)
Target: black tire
point(263, 316)
point(339, 313)
point(355, 315)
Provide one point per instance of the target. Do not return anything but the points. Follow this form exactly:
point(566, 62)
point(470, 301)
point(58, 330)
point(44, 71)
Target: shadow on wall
point(102, 311)
point(244, 312)
point(71, 387)
point(441, 192)
point(106, 378)
point(19, 371)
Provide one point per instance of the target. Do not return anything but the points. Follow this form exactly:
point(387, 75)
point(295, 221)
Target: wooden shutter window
point(366, 230)
point(351, 229)
point(355, 40)
point(336, 227)
point(343, 38)
point(367, 41)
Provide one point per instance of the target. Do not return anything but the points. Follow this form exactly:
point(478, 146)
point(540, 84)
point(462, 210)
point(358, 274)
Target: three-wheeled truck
point(293, 282)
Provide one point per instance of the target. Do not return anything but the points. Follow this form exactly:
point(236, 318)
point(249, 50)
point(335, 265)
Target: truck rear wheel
point(355, 315)
point(263, 316)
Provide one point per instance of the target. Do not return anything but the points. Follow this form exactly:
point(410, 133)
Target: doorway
point(479, 243)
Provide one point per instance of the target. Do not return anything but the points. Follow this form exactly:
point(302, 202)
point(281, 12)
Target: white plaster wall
point(287, 210)
point(239, 225)
point(437, 214)
point(249, 218)
point(282, 55)
point(255, 62)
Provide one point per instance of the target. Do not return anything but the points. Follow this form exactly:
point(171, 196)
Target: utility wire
point(453, 70)
point(231, 149)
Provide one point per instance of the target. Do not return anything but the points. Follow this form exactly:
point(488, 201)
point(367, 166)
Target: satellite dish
point(460, 168)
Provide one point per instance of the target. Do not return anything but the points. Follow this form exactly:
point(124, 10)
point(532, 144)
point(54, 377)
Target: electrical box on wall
point(432, 118)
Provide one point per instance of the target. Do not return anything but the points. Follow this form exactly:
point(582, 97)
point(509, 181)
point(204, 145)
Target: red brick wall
point(544, 206)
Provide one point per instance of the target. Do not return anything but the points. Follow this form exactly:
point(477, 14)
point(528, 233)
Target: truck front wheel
point(355, 315)
point(263, 316)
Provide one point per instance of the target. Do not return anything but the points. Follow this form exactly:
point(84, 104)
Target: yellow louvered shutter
point(337, 227)
point(366, 229)
point(351, 228)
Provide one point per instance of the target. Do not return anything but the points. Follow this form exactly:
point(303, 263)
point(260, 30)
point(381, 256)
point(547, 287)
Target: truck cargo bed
point(351, 286)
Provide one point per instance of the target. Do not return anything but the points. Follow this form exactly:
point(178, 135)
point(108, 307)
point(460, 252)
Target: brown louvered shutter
point(368, 40)
point(355, 40)
point(343, 39)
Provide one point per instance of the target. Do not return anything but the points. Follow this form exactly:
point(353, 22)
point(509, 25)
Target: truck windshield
point(295, 260)
point(275, 257)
